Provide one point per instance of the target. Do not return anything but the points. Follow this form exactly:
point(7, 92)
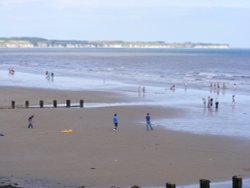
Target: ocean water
point(192, 72)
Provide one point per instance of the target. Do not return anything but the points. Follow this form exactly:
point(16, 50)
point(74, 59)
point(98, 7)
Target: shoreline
point(11, 182)
point(28, 42)
point(93, 155)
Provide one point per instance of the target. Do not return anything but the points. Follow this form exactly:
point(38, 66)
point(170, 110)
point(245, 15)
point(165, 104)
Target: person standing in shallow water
point(143, 90)
point(204, 101)
point(115, 121)
point(148, 122)
point(233, 98)
point(30, 122)
point(216, 104)
point(52, 76)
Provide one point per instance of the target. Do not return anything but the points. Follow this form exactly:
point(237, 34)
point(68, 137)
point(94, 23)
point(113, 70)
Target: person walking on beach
point(115, 121)
point(52, 76)
point(148, 122)
point(30, 121)
point(233, 98)
point(139, 90)
point(208, 102)
point(211, 101)
point(143, 90)
point(47, 74)
point(185, 85)
point(216, 104)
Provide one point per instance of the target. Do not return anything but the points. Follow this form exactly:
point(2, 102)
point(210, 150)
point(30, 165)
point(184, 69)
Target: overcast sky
point(215, 21)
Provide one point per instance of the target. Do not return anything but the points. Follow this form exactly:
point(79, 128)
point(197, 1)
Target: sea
point(221, 74)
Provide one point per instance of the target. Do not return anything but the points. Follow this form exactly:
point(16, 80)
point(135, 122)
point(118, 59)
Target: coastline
point(95, 156)
point(35, 42)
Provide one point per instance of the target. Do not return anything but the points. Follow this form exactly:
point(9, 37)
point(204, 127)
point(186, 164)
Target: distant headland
point(33, 42)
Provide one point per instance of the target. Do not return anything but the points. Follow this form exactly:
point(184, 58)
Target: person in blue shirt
point(148, 122)
point(115, 120)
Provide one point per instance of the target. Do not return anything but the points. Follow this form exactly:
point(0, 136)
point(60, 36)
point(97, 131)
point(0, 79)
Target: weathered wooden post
point(54, 103)
point(237, 182)
point(81, 103)
point(41, 103)
point(26, 104)
point(204, 183)
point(67, 103)
point(170, 185)
point(135, 186)
point(13, 104)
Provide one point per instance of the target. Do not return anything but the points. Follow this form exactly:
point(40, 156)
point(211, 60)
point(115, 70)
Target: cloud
point(126, 4)
point(153, 3)
point(133, 3)
point(11, 3)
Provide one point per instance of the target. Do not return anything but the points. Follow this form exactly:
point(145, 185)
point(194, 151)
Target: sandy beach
point(96, 156)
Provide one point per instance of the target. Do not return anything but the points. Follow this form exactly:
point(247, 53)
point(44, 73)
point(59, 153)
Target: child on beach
point(11, 71)
point(233, 98)
point(47, 74)
point(148, 122)
point(172, 87)
point(115, 120)
point(30, 122)
point(204, 101)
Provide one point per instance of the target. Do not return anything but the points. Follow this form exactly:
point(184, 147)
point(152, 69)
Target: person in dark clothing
point(115, 121)
point(30, 121)
point(148, 122)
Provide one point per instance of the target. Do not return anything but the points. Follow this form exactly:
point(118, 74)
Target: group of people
point(209, 102)
point(115, 121)
point(49, 76)
point(217, 85)
point(172, 87)
point(147, 118)
point(141, 90)
point(11, 71)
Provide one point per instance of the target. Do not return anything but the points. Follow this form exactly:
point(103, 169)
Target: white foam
point(64, 83)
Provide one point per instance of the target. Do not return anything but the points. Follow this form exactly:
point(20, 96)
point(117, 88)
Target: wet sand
point(96, 156)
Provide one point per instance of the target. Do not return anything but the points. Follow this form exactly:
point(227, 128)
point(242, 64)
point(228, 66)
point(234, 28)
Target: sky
point(209, 21)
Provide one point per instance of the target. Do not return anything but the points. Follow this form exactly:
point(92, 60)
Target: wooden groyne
point(42, 104)
point(204, 183)
point(236, 183)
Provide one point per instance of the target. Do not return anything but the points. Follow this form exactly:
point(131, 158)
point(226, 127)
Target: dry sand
point(95, 155)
